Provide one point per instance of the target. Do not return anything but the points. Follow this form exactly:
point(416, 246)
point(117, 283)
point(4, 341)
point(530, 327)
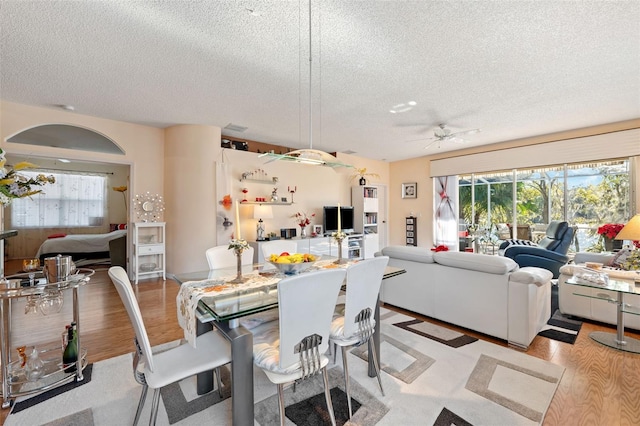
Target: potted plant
point(361, 173)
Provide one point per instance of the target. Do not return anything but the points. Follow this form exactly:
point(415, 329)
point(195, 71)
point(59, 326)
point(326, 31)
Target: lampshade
point(262, 212)
point(631, 230)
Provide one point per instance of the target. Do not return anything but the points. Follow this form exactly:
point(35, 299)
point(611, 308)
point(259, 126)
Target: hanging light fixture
point(308, 155)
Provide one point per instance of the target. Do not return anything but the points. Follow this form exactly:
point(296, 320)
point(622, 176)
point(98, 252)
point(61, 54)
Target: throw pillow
point(512, 242)
point(60, 235)
point(620, 257)
point(117, 226)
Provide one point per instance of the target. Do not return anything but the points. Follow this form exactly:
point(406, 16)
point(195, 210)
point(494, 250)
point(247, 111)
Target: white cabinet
point(149, 250)
point(365, 210)
point(322, 246)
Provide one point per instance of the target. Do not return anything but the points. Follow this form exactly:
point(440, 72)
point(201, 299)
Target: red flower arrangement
point(302, 219)
point(610, 230)
point(441, 247)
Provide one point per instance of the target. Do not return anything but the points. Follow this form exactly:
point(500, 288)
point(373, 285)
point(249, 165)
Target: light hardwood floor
point(600, 385)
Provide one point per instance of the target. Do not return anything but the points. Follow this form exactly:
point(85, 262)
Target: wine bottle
point(70, 355)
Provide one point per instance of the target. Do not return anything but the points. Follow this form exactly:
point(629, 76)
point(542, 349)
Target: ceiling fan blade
point(429, 145)
point(419, 139)
point(465, 132)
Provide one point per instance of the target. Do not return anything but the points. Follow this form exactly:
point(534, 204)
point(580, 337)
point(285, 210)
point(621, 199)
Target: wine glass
point(31, 266)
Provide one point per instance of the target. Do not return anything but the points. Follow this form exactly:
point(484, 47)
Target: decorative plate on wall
point(148, 207)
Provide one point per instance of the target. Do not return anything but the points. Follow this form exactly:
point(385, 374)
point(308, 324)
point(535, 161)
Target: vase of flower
point(302, 220)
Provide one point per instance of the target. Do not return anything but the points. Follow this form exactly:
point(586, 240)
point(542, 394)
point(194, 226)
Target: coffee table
point(621, 287)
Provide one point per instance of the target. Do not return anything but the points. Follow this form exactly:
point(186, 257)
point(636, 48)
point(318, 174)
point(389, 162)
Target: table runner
point(192, 291)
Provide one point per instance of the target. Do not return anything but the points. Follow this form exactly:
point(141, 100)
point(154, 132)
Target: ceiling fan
point(442, 133)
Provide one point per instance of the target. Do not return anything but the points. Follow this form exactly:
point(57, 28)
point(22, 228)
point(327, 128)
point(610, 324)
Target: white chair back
point(278, 246)
point(363, 285)
point(220, 257)
point(305, 304)
point(123, 285)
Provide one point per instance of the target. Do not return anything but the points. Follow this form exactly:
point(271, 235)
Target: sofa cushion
point(476, 262)
point(414, 254)
point(531, 275)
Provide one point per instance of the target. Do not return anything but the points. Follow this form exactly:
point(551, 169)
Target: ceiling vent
point(235, 128)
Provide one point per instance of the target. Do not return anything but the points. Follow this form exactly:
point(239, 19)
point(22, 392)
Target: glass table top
point(224, 301)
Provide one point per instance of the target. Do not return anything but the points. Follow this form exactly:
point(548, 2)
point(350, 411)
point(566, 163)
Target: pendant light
point(308, 155)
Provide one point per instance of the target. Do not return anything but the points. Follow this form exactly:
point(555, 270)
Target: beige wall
point(186, 155)
point(143, 146)
point(189, 193)
point(418, 170)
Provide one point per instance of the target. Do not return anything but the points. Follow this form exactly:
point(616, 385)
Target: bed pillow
point(117, 226)
point(59, 235)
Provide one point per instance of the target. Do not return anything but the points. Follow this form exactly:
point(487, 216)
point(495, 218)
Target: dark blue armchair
point(550, 253)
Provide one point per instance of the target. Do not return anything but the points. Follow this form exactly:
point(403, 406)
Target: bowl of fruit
point(291, 264)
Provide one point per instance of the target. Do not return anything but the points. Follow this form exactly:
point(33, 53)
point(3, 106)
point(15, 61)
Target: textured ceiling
point(513, 69)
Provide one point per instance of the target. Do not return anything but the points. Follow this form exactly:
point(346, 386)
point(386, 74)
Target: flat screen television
point(330, 221)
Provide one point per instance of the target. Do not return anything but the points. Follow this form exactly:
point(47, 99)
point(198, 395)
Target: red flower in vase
point(303, 219)
point(610, 230)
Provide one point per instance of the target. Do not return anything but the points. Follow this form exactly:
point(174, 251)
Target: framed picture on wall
point(410, 190)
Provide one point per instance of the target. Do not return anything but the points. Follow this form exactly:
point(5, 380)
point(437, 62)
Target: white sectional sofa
point(592, 303)
point(489, 294)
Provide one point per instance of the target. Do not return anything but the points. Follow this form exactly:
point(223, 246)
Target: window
point(587, 195)
point(75, 200)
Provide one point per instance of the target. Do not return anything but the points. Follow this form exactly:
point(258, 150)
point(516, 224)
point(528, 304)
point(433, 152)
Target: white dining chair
point(161, 369)
point(293, 348)
point(353, 323)
point(220, 257)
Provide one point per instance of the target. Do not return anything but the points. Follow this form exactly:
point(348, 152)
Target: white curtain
point(75, 199)
point(446, 211)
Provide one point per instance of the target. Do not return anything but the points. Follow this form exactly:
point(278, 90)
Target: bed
point(81, 246)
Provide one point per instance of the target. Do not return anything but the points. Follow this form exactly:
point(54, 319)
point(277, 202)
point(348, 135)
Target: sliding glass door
point(587, 195)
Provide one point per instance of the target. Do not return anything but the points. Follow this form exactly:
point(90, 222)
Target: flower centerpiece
point(238, 245)
point(609, 232)
point(15, 185)
point(303, 220)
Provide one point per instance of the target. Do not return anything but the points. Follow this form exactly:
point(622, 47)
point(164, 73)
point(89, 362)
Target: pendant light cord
point(310, 84)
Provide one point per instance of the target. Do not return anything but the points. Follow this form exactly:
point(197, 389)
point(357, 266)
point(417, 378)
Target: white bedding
point(80, 243)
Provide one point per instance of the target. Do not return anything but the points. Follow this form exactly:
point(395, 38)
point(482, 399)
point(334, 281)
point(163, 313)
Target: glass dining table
point(222, 306)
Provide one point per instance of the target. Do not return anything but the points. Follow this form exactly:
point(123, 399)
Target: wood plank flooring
point(600, 385)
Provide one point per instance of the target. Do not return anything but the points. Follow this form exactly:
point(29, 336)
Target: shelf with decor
point(364, 199)
point(263, 181)
point(149, 249)
point(270, 203)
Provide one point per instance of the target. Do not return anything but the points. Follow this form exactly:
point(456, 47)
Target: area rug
point(479, 383)
point(560, 327)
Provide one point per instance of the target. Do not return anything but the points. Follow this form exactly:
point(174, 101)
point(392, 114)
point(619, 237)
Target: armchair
point(550, 253)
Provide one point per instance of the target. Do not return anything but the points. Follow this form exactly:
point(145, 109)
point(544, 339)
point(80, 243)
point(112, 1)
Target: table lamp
point(631, 231)
point(259, 212)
